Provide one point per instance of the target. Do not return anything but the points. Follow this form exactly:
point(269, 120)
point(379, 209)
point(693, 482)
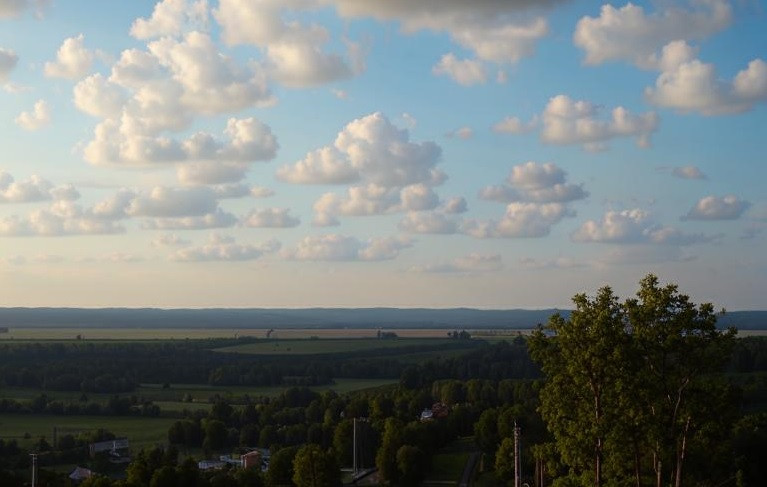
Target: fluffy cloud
point(216, 160)
point(8, 61)
point(694, 86)
point(465, 72)
point(537, 197)
point(208, 172)
point(634, 226)
point(373, 199)
point(372, 149)
point(168, 240)
point(96, 96)
point(728, 207)
point(270, 218)
point(61, 219)
point(230, 191)
point(171, 18)
point(688, 172)
point(398, 174)
point(534, 182)
point(495, 31)
point(522, 220)
point(628, 34)
point(566, 121)
point(333, 247)
point(322, 166)
point(222, 248)
point(216, 219)
point(163, 202)
point(162, 89)
point(513, 125)
point(428, 222)
point(470, 263)
point(454, 205)
point(159, 202)
point(212, 82)
point(33, 189)
point(294, 51)
point(37, 118)
point(73, 60)
point(13, 8)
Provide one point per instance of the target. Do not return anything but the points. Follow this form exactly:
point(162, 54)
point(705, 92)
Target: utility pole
point(517, 462)
point(354, 443)
point(34, 469)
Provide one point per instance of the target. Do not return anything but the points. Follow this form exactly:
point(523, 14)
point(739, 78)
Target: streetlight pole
point(517, 460)
point(34, 469)
point(354, 442)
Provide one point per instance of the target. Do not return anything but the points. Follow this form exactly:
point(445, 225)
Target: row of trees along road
point(631, 387)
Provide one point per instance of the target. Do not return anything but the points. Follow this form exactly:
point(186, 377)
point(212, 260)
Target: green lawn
point(330, 345)
point(140, 431)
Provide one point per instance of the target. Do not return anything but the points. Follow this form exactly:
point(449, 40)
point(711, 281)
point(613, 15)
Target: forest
point(646, 391)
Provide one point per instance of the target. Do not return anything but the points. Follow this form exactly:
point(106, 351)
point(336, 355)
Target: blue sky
point(297, 153)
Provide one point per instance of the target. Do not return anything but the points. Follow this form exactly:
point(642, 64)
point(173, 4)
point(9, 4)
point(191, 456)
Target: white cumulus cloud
point(334, 247)
point(270, 218)
point(521, 220)
point(73, 59)
point(567, 121)
point(465, 72)
point(222, 248)
point(35, 119)
point(629, 34)
point(535, 182)
point(172, 18)
point(728, 207)
point(296, 53)
point(695, 86)
point(634, 226)
point(688, 172)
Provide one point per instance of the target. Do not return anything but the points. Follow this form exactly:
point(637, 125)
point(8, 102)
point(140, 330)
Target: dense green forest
point(645, 391)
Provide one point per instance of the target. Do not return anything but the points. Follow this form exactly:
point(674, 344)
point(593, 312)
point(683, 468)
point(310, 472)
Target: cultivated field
point(130, 334)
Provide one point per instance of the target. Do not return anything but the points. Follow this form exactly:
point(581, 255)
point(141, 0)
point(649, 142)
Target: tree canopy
point(628, 387)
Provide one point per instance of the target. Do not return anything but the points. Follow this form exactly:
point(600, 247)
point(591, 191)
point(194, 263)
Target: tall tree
point(677, 345)
point(314, 467)
point(583, 366)
point(629, 387)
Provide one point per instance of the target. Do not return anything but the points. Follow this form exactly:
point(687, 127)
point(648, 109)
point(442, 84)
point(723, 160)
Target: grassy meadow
point(27, 428)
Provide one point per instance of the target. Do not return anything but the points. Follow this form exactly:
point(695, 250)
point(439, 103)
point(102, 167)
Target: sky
point(359, 153)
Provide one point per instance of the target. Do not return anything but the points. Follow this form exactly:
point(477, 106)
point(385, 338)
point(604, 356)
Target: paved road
point(468, 469)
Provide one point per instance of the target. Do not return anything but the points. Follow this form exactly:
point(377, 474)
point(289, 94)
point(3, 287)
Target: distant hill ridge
point(467, 318)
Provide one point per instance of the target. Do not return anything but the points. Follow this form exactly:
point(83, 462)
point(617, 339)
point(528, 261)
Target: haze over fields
point(315, 318)
point(364, 153)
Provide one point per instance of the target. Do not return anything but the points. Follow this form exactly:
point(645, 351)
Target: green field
point(140, 431)
point(131, 334)
point(332, 345)
point(171, 400)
